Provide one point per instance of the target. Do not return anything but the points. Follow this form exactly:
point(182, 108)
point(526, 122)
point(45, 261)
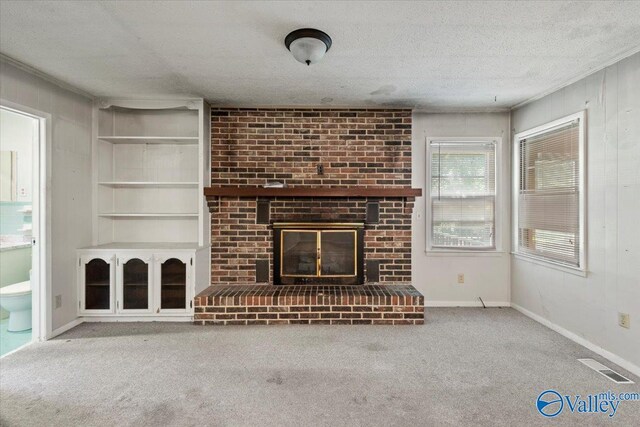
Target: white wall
point(70, 151)
point(588, 307)
point(16, 134)
point(435, 275)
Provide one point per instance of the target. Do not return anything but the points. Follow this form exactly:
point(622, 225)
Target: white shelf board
point(148, 215)
point(150, 139)
point(148, 184)
point(146, 245)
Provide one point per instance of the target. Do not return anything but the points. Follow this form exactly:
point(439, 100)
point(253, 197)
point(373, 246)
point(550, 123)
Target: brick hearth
point(374, 304)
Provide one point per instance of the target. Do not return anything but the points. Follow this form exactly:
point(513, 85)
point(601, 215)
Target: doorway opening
point(21, 223)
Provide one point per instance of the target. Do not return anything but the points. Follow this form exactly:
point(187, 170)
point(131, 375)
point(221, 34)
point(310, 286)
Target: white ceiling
point(427, 55)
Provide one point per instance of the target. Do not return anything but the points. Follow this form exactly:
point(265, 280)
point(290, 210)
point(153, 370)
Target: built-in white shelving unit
point(152, 228)
point(152, 165)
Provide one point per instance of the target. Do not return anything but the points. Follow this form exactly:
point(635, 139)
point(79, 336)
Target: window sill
point(550, 264)
point(468, 253)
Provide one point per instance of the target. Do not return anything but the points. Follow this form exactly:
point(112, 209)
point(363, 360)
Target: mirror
point(8, 172)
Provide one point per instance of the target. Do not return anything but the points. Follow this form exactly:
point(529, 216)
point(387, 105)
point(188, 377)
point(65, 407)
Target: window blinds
point(463, 194)
point(548, 199)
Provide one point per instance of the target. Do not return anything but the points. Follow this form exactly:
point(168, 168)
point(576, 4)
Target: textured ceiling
point(427, 55)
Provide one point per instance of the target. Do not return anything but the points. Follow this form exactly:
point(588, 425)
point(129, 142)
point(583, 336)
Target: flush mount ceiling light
point(308, 45)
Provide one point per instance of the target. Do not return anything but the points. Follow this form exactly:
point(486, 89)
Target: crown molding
point(615, 59)
point(34, 71)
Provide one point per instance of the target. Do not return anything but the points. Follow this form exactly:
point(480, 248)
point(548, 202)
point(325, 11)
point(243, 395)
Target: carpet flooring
point(465, 366)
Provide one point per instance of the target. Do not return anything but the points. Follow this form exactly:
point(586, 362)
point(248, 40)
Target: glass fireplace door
point(337, 253)
point(318, 256)
point(299, 257)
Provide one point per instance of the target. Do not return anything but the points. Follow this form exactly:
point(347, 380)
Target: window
point(462, 194)
point(549, 192)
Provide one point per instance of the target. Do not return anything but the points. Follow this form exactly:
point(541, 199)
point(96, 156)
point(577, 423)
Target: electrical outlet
point(58, 301)
point(320, 168)
point(623, 320)
point(460, 277)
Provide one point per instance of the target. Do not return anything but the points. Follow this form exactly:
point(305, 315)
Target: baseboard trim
point(623, 363)
point(466, 304)
point(64, 328)
point(115, 319)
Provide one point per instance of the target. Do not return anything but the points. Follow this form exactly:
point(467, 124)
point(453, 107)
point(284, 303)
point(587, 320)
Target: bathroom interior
point(17, 136)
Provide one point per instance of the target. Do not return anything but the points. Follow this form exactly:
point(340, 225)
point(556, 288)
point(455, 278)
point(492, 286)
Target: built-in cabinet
point(97, 275)
point(151, 230)
point(136, 282)
point(173, 274)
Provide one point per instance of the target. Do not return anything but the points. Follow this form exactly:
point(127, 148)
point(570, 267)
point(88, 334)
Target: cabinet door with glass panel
point(173, 278)
point(134, 283)
point(97, 283)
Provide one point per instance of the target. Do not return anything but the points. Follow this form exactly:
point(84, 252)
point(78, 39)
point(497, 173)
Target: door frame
point(41, 305)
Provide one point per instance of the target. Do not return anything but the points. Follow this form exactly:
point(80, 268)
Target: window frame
point(498, 207)
point(582, 193)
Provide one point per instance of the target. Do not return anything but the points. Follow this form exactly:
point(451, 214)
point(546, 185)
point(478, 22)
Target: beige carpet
point(464, 367)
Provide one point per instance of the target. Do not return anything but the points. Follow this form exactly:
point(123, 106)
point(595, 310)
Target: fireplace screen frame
point(281, 228)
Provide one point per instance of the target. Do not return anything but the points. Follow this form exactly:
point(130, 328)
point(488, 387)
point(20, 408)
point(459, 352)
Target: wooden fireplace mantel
point(331, 192)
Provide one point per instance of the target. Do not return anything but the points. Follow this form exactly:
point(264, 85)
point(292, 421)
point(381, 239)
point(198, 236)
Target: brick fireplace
point(339, 166)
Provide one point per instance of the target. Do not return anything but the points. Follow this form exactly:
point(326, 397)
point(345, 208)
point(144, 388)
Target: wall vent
point(262, 270)
point(263, 213)
point(373, 212)
point(603, 370)
point(373, 270)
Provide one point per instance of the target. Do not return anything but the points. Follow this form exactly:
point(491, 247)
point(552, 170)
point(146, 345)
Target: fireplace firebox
point(312, 253)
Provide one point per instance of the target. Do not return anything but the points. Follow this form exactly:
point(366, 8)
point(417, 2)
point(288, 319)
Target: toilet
point(16, 299)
